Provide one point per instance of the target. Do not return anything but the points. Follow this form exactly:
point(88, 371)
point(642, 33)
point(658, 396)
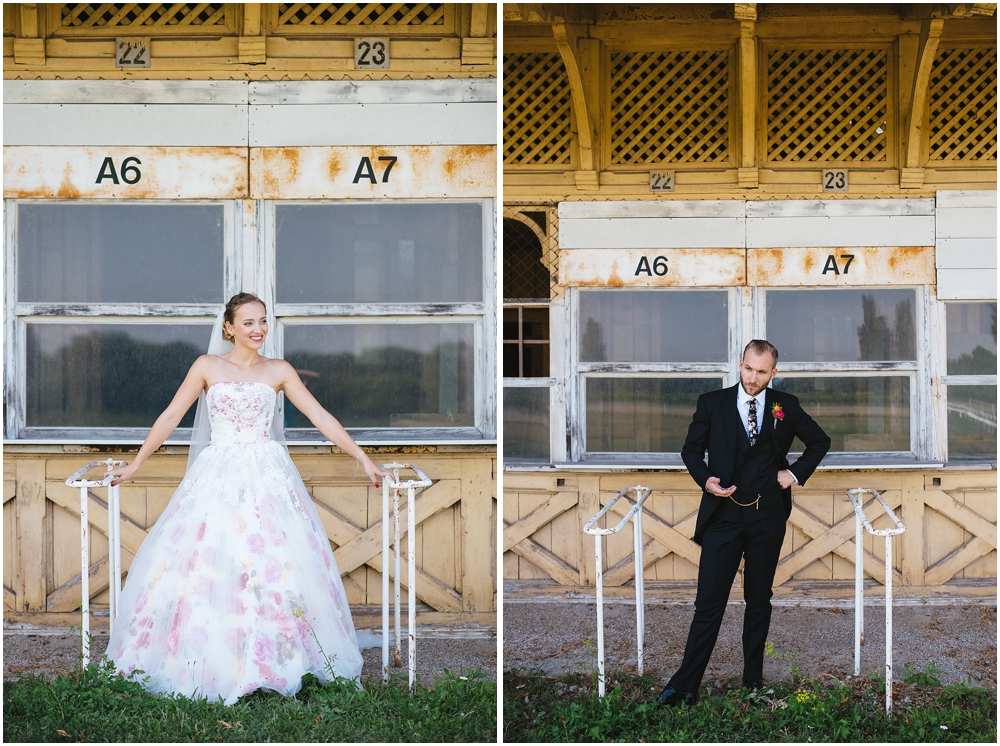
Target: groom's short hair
point(760, 346)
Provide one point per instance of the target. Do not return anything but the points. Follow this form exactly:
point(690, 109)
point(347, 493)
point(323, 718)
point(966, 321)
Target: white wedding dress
point(236, 588)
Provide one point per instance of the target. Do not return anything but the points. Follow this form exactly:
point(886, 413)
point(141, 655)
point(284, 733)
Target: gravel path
point(959, 640)
point(51, 655)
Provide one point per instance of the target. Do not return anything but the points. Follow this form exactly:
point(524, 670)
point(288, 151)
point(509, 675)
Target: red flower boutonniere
point(777, 412)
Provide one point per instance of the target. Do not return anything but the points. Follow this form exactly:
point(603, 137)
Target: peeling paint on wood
point(366, 172)
point(841, 266)
point(652, 267)
point(38, 172)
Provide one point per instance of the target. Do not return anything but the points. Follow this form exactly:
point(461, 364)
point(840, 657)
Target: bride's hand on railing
point(122, 474)
point(373, 471)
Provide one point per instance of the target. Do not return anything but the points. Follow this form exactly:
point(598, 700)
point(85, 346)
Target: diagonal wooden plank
point(656, 528)
point(9, 598)
point(624, 571)
point(547, 512)
point(67, 596)
point(429, 589)
point(359, 550)
point(955, 562)
point(548, 561)
point(132, 534)
point(963, 515)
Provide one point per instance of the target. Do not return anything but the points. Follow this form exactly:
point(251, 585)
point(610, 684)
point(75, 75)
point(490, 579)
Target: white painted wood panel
point(966, 253)
point(472, 90)
point(125, 91)
point(32, 172)
point(973, 222)
point(966, 284)
point(967, 198)
point(373, 124)
point(356, 172)
point(880, 230)
point(652, 268)
point(652, 209)
point(838, 208)
point(842, 267)
point(652, 233)
point(184, 125)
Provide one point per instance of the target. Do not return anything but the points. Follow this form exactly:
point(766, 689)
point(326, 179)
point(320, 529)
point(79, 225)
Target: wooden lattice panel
point(670, 107)
point(963, 105)
point(361, 14)
point(536, 109)
point(827, 105)
point(117, 15)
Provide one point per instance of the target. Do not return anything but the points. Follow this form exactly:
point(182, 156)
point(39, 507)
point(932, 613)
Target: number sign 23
point(371, 52)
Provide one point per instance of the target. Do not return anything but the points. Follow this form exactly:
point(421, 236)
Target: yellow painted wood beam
point(912, 174)
point(746, 14)
point(568, 44)
point(29, 48)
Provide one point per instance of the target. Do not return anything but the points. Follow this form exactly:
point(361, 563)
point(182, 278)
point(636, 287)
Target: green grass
point(96, 705)
point(537, 708)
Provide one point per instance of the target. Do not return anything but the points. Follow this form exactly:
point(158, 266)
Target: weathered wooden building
point(680, 179)
point(338, 159)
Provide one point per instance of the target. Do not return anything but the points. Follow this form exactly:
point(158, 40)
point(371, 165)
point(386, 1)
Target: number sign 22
point(371, 52)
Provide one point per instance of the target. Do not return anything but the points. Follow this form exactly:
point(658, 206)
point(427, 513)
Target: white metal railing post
point(641, 493)
point(393, 483)
point(857, 500)
point(114, 547)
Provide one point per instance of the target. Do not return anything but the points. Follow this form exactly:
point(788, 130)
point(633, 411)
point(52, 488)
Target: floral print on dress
point(236, 588)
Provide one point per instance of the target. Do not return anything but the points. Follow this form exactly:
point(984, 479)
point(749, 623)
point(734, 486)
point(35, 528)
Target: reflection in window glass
point(859, 413)
point(526, 424)
point(106, 375)
point(842, 325)
point(124, 253)
point(525, 342)
point(972, 339)
point(972, 423)
point(654, 326)
point(379, 253)
point(642, 415)
point(385, 375)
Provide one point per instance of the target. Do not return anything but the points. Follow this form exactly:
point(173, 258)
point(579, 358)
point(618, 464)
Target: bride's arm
point(325, 422)
point(187, 394)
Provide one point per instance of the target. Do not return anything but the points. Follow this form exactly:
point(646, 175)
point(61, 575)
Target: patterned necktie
point(752, 422)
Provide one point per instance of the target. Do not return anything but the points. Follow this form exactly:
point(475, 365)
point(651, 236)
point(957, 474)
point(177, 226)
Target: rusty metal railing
point(114, 547)
point(857, 499)
point(641, 493)
point(393, 485)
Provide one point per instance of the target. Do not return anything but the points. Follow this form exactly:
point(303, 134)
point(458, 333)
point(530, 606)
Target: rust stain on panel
point(652, 267)
point(841, 266)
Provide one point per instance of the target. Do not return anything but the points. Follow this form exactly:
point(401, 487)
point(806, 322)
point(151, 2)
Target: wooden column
point(567, 43)
point(29, 580)
point(478, 47)
point(29, 47)
point(911, 176)
point(912, 516)
point(746, 14)
point(587, 507)
point(479, 556)
point(252, 45)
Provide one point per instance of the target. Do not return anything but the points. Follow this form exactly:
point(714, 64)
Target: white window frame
point(249, 262)
point(481, 314)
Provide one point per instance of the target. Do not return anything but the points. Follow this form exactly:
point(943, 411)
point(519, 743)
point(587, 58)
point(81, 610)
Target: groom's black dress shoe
point(671, 696)
point(754, 684)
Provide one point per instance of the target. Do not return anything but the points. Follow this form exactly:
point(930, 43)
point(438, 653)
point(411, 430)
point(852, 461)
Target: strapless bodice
point(240, 412)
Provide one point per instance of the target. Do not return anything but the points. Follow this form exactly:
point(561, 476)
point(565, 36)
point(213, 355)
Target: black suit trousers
point(725, 542)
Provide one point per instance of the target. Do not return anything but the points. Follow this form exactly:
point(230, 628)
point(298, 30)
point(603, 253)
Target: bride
point(236, 588)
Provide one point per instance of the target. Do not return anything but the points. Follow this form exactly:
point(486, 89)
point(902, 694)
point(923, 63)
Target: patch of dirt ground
point(558, 638)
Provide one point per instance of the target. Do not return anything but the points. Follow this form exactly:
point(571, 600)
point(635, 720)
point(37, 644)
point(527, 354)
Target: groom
point(746, 499)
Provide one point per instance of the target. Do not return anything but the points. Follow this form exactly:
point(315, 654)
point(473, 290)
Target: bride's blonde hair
point(240, 299)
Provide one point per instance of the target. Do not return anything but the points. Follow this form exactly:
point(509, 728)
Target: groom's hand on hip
point(712, 485)
point(785, 479)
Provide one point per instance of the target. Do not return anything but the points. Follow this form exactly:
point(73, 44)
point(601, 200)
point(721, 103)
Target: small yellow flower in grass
point(802, 695)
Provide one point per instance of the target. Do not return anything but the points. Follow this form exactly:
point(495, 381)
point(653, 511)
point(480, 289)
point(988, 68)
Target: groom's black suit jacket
point(717, 427)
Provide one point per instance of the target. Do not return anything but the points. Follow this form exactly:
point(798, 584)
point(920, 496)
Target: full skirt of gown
point(236, 588)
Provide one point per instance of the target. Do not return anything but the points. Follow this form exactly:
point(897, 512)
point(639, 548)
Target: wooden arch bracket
point(569, 49)
point(911, 176)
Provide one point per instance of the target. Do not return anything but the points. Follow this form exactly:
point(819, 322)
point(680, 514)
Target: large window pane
point(972, 423)
point(379, 253)
point(107, 375)
point(124, 253)
point(841, 325)
point(858, 413)
point(385, 375)
point(642, 415)
point(526, 424)
point(972, 339)
point(660, 326)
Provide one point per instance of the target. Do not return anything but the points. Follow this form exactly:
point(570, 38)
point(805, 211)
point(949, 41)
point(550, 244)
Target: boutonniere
point(777, 412)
